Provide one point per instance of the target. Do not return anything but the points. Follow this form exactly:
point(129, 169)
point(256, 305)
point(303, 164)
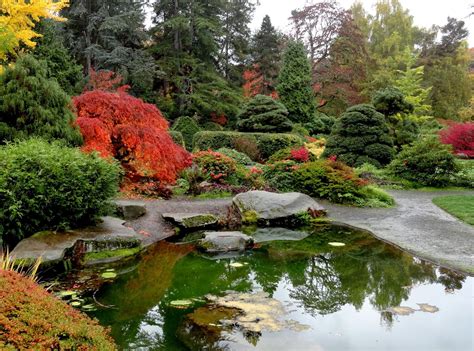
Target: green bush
point(426, 162)
point(320, 124)
point(48, 186)
point(300, 130)
point(267, 143)
point(264, 114)
point(33, 105)
point(390, 102)
point(187, 126)
point(279, 175)
point(212, 126)
point(177, 137)
point(239, 157)
point(361, 136)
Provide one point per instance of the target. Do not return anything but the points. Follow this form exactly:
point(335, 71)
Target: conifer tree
point(294, 87)
point(33, 105)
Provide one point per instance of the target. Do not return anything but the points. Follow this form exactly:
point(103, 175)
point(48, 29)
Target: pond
point(302, 294)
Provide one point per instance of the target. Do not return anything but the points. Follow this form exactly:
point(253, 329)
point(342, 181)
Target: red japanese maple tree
point(119, 125)
point(461, 137)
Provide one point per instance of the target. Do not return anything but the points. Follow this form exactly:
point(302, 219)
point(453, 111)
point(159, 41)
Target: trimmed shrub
point(238, 157)
point(391, 101)
point(320, 124)
point(264, 114)
point(215, 166)
point(48, 187)
point(177, 137)
point(33, 105)
point(33, 319)
point(361, 136)
point(267, 143)
point(279, 175)
point(461, 137)
point(211, 126)
point(426, 162)
point(188, 127)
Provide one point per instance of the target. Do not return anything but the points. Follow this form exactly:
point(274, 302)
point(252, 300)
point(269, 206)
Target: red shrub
point(461, 137)
point(119, 125)
point(33, 319)
point(300, 155)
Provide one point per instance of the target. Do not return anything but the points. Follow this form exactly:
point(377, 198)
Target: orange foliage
point(219, 119)
point(253, 82)
point(119, 125)
point(105, 80)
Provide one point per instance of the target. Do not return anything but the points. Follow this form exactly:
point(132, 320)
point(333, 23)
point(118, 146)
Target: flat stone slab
point(191, 220)
point(417, 226)
point(269, 206)
point(262, 235)
point(52, 246)
point(214, 242)
point(130, 210)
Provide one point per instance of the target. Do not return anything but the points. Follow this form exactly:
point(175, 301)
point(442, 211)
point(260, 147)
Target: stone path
point(417, 226)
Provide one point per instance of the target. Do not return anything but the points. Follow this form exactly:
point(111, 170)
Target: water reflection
point(319, 279)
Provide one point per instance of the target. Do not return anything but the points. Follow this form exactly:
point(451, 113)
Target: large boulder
point(191, 221)
point(130, 210)
point(266, 208)
point(107, 237)
point(215, 242)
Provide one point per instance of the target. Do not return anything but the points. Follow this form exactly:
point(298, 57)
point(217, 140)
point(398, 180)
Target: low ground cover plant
point(33, 319)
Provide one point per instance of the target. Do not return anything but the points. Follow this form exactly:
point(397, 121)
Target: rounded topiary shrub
point(361, 136)
point(426, 162)
point(49, 186)
point(264, 114)
point(238, 157)
point(33, 319)
point(320, 124)
point(31, 104)
point(187, 126)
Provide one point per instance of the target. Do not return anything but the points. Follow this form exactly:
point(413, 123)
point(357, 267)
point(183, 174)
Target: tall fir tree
point(294, 87)
point(110, 35)
point(266, 54)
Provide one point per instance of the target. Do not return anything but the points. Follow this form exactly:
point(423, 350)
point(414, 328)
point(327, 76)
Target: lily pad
point(401, 310)
point(236, 265)
point(75, 304)
point(108, 275)
point(181, 303)
point(424, 307)
point(66, 293)
point(337, 244)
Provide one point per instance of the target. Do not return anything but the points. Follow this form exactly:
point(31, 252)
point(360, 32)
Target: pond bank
point(418, 226)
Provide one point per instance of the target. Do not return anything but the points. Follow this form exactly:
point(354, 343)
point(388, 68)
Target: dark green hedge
point(266, 143)
point(177, 137)
point(187, 126)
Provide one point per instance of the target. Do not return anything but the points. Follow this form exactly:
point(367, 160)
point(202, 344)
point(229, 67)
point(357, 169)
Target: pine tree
point(33, 105)
point(266, 48)
point(294, 86)
point(61, 66)
point(110, 35)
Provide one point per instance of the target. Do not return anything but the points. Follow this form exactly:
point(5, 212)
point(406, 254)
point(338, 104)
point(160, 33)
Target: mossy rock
point(191, 221)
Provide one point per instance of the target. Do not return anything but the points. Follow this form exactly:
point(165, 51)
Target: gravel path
point(415, 224)
point(418, 226)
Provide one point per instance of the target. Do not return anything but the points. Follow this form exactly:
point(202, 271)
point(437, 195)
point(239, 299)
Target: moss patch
point(249, 217)
point(95, 256)
point(199, 221)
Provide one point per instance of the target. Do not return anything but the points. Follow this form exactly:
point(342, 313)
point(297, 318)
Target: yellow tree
point(17, 22)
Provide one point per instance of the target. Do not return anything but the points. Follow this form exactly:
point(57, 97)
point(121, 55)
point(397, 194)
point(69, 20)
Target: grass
point(460, 206)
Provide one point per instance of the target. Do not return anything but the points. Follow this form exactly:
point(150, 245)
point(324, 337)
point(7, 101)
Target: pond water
point(328, 297)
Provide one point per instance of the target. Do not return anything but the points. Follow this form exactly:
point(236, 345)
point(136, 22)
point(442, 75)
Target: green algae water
point(313, 293)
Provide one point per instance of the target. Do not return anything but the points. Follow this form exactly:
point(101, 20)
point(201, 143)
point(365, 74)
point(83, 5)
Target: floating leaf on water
point(89, 308)
point(428, 308)
point(110, 270)
point(181, 303)
point(337, 244)
point(75, 304)
point(401, 310)
point(108, 275)
point(236, 265)
point(66, 293)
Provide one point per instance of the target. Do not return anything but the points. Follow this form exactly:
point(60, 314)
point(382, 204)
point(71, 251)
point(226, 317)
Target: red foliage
point(461, 137)
point(33, 319)
point(106, 81)
point(253, 82)
point(121, 126)
point(300, 155)
point(219, 119)
point(216, 166)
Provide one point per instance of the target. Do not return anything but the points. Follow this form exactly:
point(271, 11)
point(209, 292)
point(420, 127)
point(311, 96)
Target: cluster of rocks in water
point(112, 240)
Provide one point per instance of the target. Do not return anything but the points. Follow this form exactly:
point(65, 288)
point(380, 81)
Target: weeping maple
point(119, 125)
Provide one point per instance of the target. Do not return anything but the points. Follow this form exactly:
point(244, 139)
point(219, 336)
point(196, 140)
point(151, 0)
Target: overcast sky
point(425, 12)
